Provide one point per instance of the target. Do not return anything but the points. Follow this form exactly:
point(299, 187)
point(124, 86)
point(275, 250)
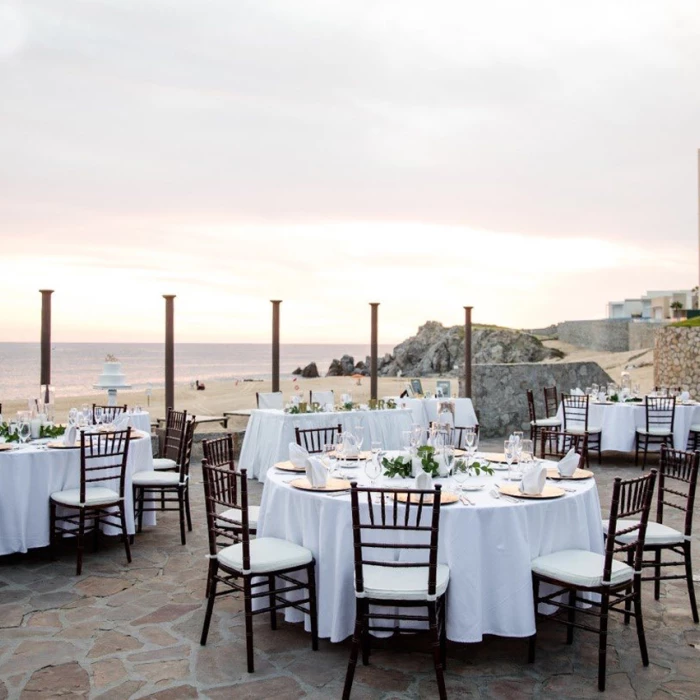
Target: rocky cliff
point(437, 350)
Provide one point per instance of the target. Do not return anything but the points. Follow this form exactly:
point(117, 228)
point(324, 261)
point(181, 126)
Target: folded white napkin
point(69, 436)
point(298, 456)
point(577, 392)
point(685, 396)
point(534, 479)
point(569, 463)
point(350, 447)
point(423, 481)
point(122, 422)
point(316, 473)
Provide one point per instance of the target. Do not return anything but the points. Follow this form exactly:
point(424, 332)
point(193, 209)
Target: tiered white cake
point(112, 376)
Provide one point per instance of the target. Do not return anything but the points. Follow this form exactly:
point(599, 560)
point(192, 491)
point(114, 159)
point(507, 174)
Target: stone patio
point(133, 631)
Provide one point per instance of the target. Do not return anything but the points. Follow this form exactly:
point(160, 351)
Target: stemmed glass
point(509, 452)
point(24, 429)
point(448, 455)
point(460, 473)
point(358, 432)
point(526, 456)
point(417, 434)
point(99, 415)
point(373, 470)
point(376, 448)
point(328, 459)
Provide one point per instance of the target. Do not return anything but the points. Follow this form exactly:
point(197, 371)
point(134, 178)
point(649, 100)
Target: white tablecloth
point(141, 421)
point(488, 548)
point(619, 422)
point(269, 433)
point(29, 475)
point(425, 410)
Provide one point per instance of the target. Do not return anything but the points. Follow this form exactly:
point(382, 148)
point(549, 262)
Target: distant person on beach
point(198, 386)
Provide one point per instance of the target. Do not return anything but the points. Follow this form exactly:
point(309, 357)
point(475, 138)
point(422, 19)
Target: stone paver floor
point(123, 631)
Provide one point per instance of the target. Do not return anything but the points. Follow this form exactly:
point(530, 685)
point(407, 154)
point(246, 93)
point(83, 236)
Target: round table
point(619, 422)
point(488, 547)
point(30, 474)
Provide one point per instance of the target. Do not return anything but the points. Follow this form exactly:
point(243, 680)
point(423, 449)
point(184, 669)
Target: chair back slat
point(109, 413)
point(575, 411)
point(103, 458)
point(219, 453)
point(678, 470)
point(660, 413)
point(551, 402)
point(313, 439)
point(377, 511)
point(631, 500)
point(174, 435)
point(531, 405)
point(219, 483)
point(186, 451)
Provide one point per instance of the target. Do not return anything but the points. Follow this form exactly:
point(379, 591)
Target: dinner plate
point(548, 492)
point(331, 485)
point(577, 475)
point(473, 487)
point(359, 457)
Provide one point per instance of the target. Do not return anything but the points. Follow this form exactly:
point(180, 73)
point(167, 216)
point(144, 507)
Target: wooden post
point(169, 352)
point(373, 351)
point(276, 344)
point(45, 337)
point(468, 351)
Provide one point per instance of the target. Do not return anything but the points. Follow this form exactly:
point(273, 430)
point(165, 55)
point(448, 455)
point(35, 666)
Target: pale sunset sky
point(534, 160)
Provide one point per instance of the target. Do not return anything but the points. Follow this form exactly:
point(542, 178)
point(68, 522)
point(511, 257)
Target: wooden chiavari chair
point(575, 409)
point(382, 579)
point(555, 443)
point(171, 450)
point(167, 487)
point(313, 439)
point(660, 419)
point(252, 567)
point(617, 583)
point(538, 424)
point(109, 413)
point(551, 401)
point(103, 459)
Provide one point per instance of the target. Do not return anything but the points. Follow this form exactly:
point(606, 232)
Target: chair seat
point(267, 554)
point(156, 479)
point(546, 422)
point(387, 583)
point(580, 430)
point(659, 432)
point(578, 567)
point(657, 533)
point(695, 428)
point(164, 463)
point(235, 515)
point(94, 496)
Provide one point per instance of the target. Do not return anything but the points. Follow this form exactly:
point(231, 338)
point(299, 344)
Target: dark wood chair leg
point(636, 449)
point(213, 568)
point(354, 650)
point(640, 621)
point(271, 598)
point(141, 497)
point(96, 533)
point(181, 508)
point(248, 606)
point(313, 611)
point(365, 633)
point(571, 617)
point(125, 536)
point(81, 537)
point(187, 508)
point(657, 574)
point(628, 592)
point(435, 645)
point(646, 449)
point(603, 640)
point(443, 632)
point(689, 578)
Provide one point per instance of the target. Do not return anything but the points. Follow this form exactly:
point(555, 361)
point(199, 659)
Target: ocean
point(76, 366)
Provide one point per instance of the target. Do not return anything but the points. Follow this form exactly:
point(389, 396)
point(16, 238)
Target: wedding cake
point(112, 375)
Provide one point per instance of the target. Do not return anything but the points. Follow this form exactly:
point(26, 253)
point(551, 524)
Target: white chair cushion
point(94, 496)
point(164, 463)
point(695, 428)
point(579, 567)
point(661, 432)
point(657, 533)
point(267, 554)
point(388, 583)
point(546, 422)
point(155, 479)
point(235, 515)
point(579, 430)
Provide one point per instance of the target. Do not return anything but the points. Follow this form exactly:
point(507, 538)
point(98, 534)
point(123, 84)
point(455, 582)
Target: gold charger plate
point(446, 497)
point(7, 446)
point(497, 457)
point(514, 490)
point(289, 467)
point(331, 485)
point(58, 445)
point(365, 454)
point(578, 474)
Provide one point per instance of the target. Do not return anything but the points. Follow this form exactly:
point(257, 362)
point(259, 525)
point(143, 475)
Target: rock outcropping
point(437, 350)
point(345, 367)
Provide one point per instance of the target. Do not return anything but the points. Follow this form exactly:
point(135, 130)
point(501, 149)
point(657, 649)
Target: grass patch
point(690, 323)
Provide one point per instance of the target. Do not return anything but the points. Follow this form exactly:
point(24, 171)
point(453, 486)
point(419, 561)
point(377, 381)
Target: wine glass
point(417, 431)
point(23, 429)
point(99, 415)
point(509, 452)
point(358, 432)
point(72, 416)
point(407, 440)
point(526, 455)
point(460, 473)
point(376, 448)
point(448, 455)
point(373, 470)
point(328, 459)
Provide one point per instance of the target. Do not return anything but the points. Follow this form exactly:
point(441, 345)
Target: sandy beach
point(236, 395)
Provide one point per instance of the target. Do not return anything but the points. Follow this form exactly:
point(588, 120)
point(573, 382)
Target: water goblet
point(460, 473)
point(509, 453)
point(373, 470)
point(328, 459)
point(24, 430)
point(526, 451)
point(448, 456)
point(99, 415)
point(376, 448)
point(358, 431)
point(407, 440)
